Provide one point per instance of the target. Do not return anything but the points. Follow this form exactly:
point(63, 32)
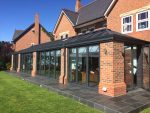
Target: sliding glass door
point(84, 65)
point(48, 63)
point(131, 67)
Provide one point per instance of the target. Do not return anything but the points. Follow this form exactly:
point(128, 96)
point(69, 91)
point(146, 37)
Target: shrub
point(8, 66)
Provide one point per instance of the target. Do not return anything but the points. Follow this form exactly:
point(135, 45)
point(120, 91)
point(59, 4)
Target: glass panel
point(82, 56)
point(47, 62)
point(143, 15)
point(143, 25)
point(93, 65)
point(58, 63)
point(127, 20)
point(94, 49)
point(73, 65)
point(42, 64)
point(146, 64)
point(130, 67)
point(38, 62)
point(52, 64)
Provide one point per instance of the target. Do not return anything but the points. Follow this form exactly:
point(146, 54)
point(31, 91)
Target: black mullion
point(87, 66)
point(55, 64)
point(45, 63)
point(132, 66)
point(149, 66)
point(77, 56)
point(49, 63)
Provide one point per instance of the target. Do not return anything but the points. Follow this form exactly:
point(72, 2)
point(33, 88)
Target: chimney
point(37, 28)
point(78, 5)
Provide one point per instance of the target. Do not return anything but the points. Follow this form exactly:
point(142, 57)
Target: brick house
point(103, 44)
point(35, 34)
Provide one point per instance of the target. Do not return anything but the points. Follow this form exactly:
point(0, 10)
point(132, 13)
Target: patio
point(135, 101)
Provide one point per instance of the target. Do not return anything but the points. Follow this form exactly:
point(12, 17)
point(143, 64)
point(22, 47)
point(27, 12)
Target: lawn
point(146, 111)
point(18, 96)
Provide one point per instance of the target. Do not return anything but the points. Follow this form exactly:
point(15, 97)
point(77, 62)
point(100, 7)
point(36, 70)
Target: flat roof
point(91, 38)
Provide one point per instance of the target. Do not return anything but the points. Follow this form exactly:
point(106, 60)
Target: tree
point(5, 54)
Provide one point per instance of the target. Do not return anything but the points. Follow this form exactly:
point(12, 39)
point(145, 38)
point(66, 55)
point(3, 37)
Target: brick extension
point(112, 69)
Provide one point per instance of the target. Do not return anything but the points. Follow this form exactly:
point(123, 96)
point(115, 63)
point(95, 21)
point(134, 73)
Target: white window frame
point(63, 35)
point(122, 25)
point(137, 21)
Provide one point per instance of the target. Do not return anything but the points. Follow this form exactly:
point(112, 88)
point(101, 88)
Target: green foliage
point(146, 111)
point(18, 96)
point(8, 66)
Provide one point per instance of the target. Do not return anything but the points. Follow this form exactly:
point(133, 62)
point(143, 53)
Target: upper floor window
point(64, 36)
point(127, 24)
point(143, 21)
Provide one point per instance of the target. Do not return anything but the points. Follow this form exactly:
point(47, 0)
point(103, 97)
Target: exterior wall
point(29, 38)
point(64, 26)
point(26, 40)
point(97, 26)
point(44, 37)
point(111, 74)
point(124, 6)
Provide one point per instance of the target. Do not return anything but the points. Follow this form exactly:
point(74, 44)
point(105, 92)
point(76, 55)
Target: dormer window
point(127, 24)
point(64, 35)
point(143, 21)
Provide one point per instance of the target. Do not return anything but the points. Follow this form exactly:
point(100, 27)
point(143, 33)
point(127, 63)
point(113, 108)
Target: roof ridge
point(69, 10)
point(88, 4)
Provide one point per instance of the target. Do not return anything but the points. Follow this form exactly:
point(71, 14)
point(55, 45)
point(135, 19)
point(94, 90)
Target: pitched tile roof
point(71, 15)
point(93, 11)
point(17, 33)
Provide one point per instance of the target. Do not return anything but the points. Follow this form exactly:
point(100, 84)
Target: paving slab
point(134, 102)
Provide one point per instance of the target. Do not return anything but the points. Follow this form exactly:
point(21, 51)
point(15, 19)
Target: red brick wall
point(44, 37)
point(26, 40)
point(112, 69)
point(30, 37)
point(64, 26)
point(123, 6)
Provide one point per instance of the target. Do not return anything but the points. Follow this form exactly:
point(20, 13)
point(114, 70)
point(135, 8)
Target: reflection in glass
point(47, 62)
point(130, 66)
point(58, 63)
point(52, 64)
point(42, 63)
point(82, 56)
point(93, 65)
point(73, 65)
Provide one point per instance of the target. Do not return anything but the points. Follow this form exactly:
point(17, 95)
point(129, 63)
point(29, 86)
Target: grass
point(146, 111)
point(18, 96)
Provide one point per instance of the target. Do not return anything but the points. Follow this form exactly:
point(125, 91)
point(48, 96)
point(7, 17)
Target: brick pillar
point(12, 62)
point(34, 69)
point(66, 68)
point(19, 59)
point(62, 71)
point(112, 69)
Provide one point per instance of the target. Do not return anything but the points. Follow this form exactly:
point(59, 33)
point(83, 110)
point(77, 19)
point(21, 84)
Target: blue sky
point(19, 14)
